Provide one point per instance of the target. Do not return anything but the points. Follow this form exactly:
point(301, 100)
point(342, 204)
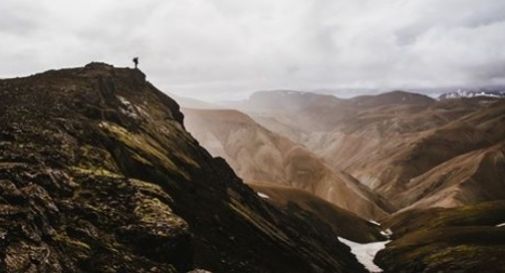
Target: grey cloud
point(224, 49)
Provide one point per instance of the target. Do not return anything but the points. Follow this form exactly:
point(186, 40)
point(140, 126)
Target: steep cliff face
point(97, 174)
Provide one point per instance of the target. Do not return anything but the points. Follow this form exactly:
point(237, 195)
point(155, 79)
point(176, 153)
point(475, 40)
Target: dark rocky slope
point(343, 223)
point(97, 174)
point(465, 240)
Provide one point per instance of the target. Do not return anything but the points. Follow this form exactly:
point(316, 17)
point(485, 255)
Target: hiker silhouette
point(136, 61)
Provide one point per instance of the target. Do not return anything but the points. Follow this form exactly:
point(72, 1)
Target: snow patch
point(262, 195)
point(124, 101)
point(501, 225)
point(388, 232)
point(460, 93)
point(129, 108)
point(374, 222)
point(365, 253)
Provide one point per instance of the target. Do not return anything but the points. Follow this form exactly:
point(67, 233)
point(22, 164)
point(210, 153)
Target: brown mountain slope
point(97, 174)
point(466, 179)
point(311, 112)
point(430, 148)
point(343, 223)
point(391, 98)
point(385, 141)
point(465, 239)
point(257, 154)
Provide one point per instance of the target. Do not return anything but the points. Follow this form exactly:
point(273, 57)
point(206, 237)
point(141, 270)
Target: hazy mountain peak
point(393, 97)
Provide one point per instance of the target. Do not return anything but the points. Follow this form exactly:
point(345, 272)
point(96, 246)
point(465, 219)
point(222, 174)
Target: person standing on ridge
point(136, 61)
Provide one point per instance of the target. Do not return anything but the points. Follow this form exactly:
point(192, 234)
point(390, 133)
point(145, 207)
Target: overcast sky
point(225, 49)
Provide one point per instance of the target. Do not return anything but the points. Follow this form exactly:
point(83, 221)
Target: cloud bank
point(225, 49)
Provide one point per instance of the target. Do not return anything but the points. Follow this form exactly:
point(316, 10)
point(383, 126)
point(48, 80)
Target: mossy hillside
point(98, 172)
point(465, 239)
point(140, 143)
point(483, 214)
point(446, 250)
point(74, 232)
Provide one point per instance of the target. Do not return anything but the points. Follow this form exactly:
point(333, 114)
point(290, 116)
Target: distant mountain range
point(438, 163)
point(436, 92)
point(399, 145)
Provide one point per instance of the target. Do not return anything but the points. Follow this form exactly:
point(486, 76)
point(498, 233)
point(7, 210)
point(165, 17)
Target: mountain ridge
point(98, 174)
